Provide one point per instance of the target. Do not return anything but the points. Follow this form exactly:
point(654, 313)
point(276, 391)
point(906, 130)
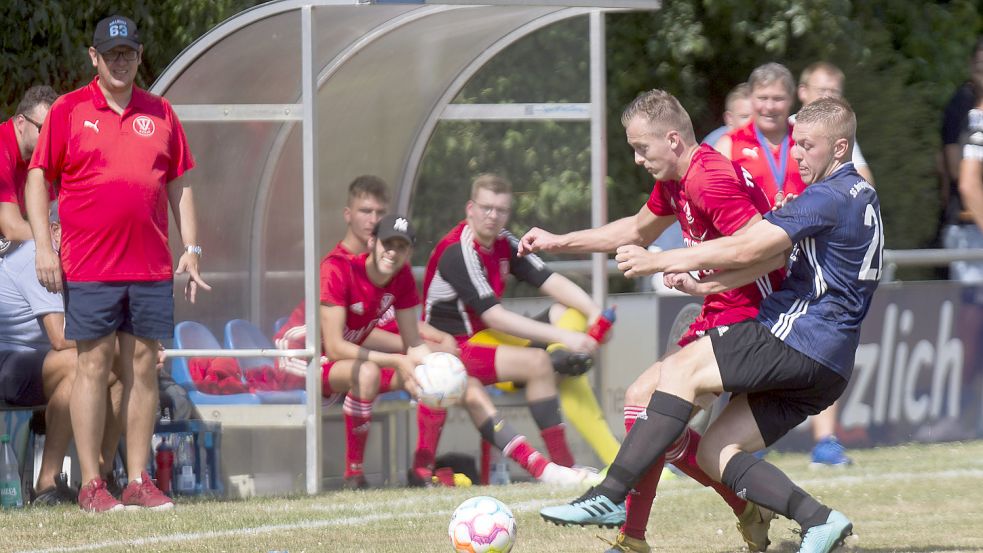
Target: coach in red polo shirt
point(117, 154)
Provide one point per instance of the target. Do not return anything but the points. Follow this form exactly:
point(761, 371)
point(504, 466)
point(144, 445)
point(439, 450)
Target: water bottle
point(10, 489)
point(165, 466)
point(185, 477)
point(499, 468)
point(599, 330)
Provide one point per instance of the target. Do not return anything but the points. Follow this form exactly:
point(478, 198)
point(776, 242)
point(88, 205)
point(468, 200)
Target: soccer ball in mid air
point(442, 379)
point(482, 525)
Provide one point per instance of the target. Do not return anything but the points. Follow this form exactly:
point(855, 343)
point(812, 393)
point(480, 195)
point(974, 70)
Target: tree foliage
point(46, 41)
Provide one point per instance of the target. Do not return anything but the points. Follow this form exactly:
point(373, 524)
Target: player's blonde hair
point(661, 109)
point(823, 67)
point(764, 75)
point(834, 115)
point(492, 182)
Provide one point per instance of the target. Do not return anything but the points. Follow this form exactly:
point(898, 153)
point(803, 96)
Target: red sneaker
point(94, 498)
point(145, 495)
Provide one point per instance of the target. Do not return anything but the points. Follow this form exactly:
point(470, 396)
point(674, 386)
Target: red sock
point(358, 418)
point(429, 424)
point(556, 444)
point(638, 504)
point(526, 455)
point(682, 454)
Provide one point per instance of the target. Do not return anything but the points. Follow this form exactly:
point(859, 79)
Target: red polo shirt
point(13, 168)
point(113, 171)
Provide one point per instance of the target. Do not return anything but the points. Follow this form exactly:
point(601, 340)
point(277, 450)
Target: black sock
point(763, 483)
point(546, 412)
point(500, 437)
point(665, 419)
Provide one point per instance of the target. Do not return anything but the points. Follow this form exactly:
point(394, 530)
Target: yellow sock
point(579, 404)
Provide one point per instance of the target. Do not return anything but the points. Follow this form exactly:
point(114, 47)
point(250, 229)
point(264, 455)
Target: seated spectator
point(356, 292)
point(37, 366)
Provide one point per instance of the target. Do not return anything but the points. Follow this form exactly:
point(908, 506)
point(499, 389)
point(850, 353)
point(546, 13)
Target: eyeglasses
point(114, 55)
point(488, 210)
point(32, 121)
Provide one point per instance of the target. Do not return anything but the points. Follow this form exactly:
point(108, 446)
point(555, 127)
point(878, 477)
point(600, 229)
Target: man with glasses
point(118, 153)
point(18, 136)
point(463, 286)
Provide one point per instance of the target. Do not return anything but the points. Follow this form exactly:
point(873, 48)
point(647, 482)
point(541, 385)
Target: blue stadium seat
point(242, 334)
point(193, 335)
point(278, 324)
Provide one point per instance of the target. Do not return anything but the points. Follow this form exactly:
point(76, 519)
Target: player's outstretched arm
point(642, 228)
point(565, 291)
point(722, 281)
point(502, 319)
point(761, 242)
point(182, 203)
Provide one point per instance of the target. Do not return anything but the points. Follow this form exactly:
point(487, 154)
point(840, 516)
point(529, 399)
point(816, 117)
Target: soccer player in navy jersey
point(792, 361)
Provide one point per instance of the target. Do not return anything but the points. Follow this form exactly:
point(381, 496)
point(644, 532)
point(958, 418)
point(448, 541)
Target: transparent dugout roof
point(384, 71)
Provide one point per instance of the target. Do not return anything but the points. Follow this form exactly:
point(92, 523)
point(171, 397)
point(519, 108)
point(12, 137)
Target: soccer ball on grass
point(482, 525)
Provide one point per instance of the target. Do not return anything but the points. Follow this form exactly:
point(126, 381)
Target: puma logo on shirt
point(90, 125)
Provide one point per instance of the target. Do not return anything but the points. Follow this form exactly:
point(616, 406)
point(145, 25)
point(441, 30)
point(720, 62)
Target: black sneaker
point(355, 482)
point(568, 363)
point(60, 493)
point(419, 477)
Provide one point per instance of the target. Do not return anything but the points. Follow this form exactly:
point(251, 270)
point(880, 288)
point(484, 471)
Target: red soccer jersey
point(748, 153)
point(464, 279)
point(388, 320)
point(714, 199)
point(113, 171)
point(344, 281)
point(13, 167)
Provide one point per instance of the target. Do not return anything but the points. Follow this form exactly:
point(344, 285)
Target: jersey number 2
point(871, 267)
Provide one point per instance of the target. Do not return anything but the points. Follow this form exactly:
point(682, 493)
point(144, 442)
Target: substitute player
point(463, 286)
point(711, 197)
point(792, 361)
point(118, 153)
point(356, 292)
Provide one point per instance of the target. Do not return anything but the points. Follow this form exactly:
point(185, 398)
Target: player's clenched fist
point(635, 261)
point(537, 240)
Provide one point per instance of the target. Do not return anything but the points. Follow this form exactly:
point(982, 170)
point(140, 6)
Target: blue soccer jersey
point(835, 226)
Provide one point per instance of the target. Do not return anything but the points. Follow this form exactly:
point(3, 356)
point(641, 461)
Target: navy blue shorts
point(97, 309)
point(783, 386)
point(20, 377)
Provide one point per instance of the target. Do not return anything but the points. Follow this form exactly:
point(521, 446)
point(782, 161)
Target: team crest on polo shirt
point(386, 303)
point(503, 267)
point(144, 126)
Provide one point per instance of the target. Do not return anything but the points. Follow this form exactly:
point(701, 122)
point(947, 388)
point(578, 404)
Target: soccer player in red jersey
point(356, 293)
point(18, 137)
point(763, 145)
point(711, 197)
point(118, 154)
point(463, 286)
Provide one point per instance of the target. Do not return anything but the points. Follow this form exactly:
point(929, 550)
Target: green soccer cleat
point(753, 524)
point(827, 537)
point(590, 509)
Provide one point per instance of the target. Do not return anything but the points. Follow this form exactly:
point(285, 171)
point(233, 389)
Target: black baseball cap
point(394, 226)
point(113, 31)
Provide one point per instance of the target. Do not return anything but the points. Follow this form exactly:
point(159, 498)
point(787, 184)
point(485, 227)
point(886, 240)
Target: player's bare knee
point(639, 392)
point(540, 366)
point(366, 379)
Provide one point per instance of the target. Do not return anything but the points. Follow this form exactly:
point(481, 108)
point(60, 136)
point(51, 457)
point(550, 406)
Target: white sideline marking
point(828, 479)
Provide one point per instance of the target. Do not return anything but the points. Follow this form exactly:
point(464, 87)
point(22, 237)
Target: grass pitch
point(918, 498)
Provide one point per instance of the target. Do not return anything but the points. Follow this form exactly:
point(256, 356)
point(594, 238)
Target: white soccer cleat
point(565, 476)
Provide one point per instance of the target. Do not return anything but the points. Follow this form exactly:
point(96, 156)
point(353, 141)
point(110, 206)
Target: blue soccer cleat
point(590, 509)
point(826, 537)
point(829, 452)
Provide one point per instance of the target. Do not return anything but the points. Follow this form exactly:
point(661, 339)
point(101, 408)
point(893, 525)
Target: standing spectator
point(825, 80)
point(37, 367)
point(18, 137)
point(737, 113)
point(958, 231)
point(118, 153)
point(762, 146)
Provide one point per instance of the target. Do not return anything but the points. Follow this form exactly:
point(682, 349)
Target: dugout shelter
point(285, 103)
